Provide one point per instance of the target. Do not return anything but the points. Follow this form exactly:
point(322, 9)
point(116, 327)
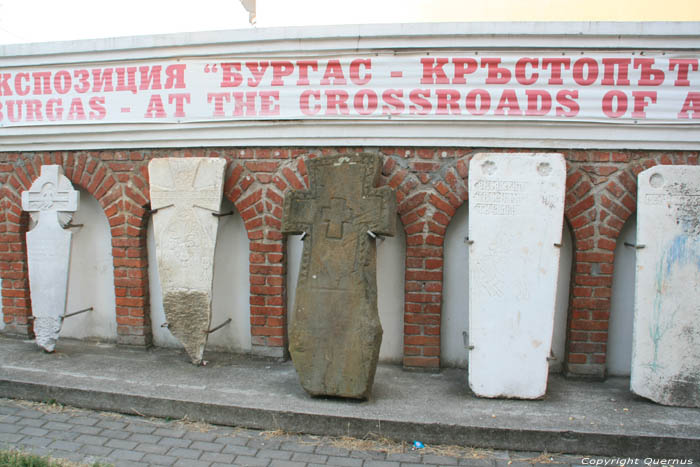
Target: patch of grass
point(21, 459)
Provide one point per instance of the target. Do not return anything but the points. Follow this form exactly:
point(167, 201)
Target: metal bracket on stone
point(557, 245)
point(153, 211)
point(467, 241)
point(551, 357)
point(76, 313)
point(636, 247)
point(222, 214)
point(218, 327)
point(303, 235)
point(165, 325)
point(73, 226)
point(374, 235)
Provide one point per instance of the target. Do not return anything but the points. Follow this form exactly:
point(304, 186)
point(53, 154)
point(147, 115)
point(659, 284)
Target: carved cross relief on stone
point(184, 194)
point(336, 334)
point(51, 201)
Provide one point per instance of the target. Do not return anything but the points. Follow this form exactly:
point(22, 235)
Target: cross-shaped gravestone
point(335, 333)
point(51, 200)
point(184, 193)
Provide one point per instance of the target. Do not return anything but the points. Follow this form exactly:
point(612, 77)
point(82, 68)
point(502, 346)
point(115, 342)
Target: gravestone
point(336, 334)
point(185, 192)
point(51, 202)
point(666, 337)
point(516, 209)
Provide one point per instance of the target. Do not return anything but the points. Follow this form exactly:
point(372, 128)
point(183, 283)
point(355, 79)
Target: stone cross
point(516, 213)
point(335, 333)
point(666, 338)
point(51, 201)
point(184, 194)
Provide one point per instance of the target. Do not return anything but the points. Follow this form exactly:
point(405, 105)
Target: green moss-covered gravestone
point(336, 334)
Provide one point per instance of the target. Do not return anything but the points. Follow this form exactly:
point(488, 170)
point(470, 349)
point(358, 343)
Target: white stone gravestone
point(666, 337)
point(185, 192)
point(51, 202)
point(516, 209)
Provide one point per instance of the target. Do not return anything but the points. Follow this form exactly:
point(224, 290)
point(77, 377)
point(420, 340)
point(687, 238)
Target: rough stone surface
point(666, 340)
point(185, 193)
point(516, 210)
point(51, 200)
point(336, 334)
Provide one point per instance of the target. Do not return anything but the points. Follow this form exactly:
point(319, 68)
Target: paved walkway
point(87, 436)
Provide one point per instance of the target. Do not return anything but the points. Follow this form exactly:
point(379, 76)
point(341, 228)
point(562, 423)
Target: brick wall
point(430, 185)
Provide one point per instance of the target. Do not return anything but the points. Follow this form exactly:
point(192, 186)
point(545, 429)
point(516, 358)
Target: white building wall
point(455, 308)
point(619, 359)
point(231, 288)
point(91, 277)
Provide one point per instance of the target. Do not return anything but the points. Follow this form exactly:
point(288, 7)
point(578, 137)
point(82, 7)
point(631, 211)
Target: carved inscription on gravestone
point(336, 334)
point(51, 200)
point(185, 192)
point(516, 209)
point(666, 338)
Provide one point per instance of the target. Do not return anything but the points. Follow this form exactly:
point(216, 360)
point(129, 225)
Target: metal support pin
point(558, 245)
point(219, 326)
point(303, 235)
point(637, 247)
point(73, 226)
point(471, 347)
point(153, 211)
point(467, 241)
point(76, 313)
point(165, 325)
point(222, 214)
point(374, 235)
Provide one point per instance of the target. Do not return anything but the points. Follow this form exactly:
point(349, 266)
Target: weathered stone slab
point(666, 337)
point(51, 201)
point(516, 210)
point(336, 334)
point(185, 192)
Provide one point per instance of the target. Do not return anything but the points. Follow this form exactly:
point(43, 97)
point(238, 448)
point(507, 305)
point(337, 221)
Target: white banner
point(628, 87)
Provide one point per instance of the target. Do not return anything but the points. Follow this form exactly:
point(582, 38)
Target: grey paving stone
point(111, 424)
point(8, 419)
point(274, 454)
point(27, 413)
point(307, 457)
point(158, 459)
point(96, 450)
point(36, 441)
point(140, 428)
point(439, 460)
point(239, 450)
point(332, 451)
point(127, 463)
point(8, 410)
point(144, 438)
point(264, 443)
point(344, 461)
point(200, 436)
point(121, 444)
point(57, 426)
point(404, 457)
point(217, 457)
point(9, 428)
point(57, 417)
point(253, 461)
point(85, 420)
point(36, 422)
point(62, 435)
point(478, 462)
point(185, 452)
point(375, 463)
point(90, 439)
point(87, 429)
point(205, 446)
point(235, 440)
point(31, 431)
point(175, 442)
point(10, 437)
point(369, 455)
point(191, 463)
point(126, 454)
point(279, 463)
point(64, 445)
point(169, 432)
point(297, 447)
point(116, 434)
point(152, 448)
